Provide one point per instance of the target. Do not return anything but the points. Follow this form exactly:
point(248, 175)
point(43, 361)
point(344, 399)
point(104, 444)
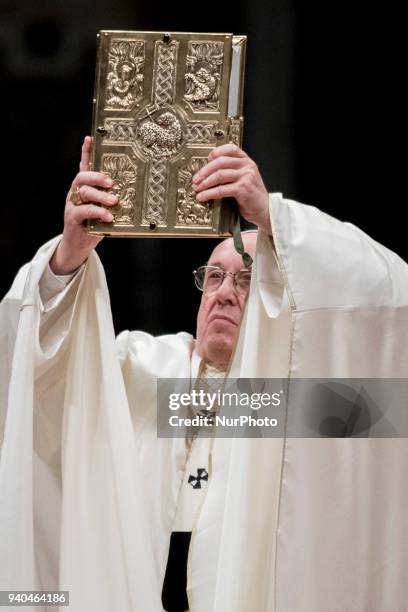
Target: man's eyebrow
point(216, 263)
point(219, 264)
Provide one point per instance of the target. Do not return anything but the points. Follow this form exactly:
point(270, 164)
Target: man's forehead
point(225, 253)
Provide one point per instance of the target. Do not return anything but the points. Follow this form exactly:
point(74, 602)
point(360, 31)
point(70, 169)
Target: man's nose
point(226, 292)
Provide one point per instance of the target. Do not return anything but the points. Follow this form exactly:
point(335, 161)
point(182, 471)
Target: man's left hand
point(231, 173)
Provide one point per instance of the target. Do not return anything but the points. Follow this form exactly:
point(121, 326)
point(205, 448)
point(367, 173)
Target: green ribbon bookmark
point(238, 243)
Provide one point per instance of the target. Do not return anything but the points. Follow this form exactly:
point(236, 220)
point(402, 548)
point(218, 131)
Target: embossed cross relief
point(160, 107)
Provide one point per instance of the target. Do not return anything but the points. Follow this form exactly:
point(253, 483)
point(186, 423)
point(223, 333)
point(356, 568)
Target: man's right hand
point(76, 243)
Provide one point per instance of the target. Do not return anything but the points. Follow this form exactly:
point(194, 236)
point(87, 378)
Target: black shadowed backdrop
point(323, 117)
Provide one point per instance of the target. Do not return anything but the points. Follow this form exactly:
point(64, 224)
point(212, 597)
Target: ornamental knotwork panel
point(120, 130)
point(125, 74)
point(154, 210)
point(165, 73)
point(203, 74)
point(200, 133)
point(124, 174)
point(189, 210)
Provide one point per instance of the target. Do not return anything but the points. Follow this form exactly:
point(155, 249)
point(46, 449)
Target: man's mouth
point(221, 317)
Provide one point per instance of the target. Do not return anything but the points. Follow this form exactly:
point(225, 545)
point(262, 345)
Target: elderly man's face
point(220, 312)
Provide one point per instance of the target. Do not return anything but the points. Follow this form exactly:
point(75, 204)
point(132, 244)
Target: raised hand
point(231, 173)
point(81, 204)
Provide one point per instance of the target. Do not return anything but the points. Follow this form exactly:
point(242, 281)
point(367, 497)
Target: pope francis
point(94, 503)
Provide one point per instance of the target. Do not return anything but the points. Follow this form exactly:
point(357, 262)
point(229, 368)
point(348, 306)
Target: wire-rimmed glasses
point(209, 278)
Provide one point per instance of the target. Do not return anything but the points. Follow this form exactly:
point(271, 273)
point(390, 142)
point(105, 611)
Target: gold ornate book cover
point(162, 102)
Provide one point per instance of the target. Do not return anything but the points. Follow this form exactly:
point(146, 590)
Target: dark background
point(323, 115)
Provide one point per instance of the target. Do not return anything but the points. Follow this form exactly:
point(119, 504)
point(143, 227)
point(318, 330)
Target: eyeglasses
point(210, 278)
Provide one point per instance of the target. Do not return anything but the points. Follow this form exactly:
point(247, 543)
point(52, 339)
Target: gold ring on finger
point(75, 197)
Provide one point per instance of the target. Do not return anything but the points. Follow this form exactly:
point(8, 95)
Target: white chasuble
point(88, 493)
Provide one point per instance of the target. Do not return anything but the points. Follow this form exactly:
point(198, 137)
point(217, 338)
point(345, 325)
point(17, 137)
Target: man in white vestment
point(93, 502)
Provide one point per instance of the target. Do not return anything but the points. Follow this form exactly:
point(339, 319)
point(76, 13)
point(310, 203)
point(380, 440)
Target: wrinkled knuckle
point(243, 183)
point(224, 162)
point(239, 193)
point(217, 163)
point(89, 209)
point(253, 177)
point(84, 193)
point(217, 193)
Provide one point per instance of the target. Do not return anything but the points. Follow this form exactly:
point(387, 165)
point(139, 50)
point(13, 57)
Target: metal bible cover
point(162, 102)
